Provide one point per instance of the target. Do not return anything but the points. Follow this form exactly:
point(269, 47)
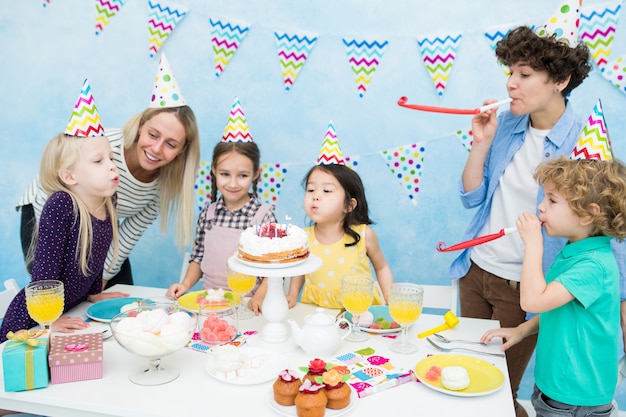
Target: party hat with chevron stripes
point(236, 129)
point(165, 92)
point(85, 120)
point(594, 142)
point(563, 23)
point(330, 152)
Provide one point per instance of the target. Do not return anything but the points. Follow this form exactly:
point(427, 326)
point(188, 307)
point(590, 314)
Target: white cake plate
point(275, 307)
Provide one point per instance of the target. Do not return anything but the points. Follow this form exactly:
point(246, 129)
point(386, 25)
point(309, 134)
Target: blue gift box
point(25, 367)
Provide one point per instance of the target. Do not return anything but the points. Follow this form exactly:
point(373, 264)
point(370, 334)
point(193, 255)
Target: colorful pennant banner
point(405, 163)
point(226, 37)
point(615, 72)
point(105, 10)
point(364, 57)
point(162, 20)
point(597, 30)
point(270, 183)
point(438, 53)
point(293, 51)
point(203, 185)
point(466, 137)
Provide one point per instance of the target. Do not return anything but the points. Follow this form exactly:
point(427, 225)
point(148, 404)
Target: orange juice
point(356, 302)
point(45, 308)
point(404, 312)
point(241, 283)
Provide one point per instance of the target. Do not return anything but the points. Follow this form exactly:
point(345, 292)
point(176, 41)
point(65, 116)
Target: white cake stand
point(275, 307)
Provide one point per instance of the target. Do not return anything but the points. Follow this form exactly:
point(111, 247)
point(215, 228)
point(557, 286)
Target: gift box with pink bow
point(76, 357)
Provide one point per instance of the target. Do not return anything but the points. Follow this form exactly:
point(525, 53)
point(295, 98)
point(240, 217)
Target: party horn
point(434, 109)
point(450, 322)
point(441, 246)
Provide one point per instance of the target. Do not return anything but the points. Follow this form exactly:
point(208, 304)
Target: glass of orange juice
point(405, 307)
point(44, 301)
point(241, 284)
point(357, 297)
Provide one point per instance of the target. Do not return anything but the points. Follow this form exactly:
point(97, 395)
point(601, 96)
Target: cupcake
point(286, 388)
point(336, 390)
point(311, 400)
point(317, 367)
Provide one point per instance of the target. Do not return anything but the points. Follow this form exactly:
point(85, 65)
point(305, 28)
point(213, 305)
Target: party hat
point(85, 120)
point(330, 152)
point(236, 129)
point(564, 23)
point(594, 142)
point(166, 92)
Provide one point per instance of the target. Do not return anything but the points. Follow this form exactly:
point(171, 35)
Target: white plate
point(273, 364)
point(271, 265)
point(290, 411)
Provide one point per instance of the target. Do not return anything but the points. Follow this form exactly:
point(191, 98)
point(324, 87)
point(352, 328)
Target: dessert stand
point(275, 307)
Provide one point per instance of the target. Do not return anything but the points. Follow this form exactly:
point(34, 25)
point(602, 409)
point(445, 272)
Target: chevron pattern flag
point(162, 20)
point(85, 119)
point(330, 153)
point(405, 163)
point(615, 72)
point(438, 53)
point(203, 185)
point(226, 37)
point(293, 51)
point(594, 142)
point(270, 183)
point(494, 36)
point(597, 30)
point(364, 57)
point(105, 10)
point(236, 129)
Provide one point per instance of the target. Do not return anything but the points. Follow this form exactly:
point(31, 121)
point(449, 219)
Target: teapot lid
point(319, 318)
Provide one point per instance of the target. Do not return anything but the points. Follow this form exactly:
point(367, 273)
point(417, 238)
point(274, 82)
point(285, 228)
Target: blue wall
point(46, 52)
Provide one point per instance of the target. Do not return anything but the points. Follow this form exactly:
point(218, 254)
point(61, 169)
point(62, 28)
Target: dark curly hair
point(546, 54)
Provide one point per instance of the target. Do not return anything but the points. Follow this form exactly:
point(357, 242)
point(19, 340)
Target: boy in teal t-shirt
point(579, 300)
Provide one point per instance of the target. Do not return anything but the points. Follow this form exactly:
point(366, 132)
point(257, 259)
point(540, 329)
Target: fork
point(446, 340)
point(441, 348)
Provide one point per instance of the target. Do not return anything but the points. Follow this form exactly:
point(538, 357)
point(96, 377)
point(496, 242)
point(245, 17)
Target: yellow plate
point(485, 377)
point(189, 301)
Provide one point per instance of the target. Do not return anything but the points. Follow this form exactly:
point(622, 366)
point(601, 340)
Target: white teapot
point(320, 336)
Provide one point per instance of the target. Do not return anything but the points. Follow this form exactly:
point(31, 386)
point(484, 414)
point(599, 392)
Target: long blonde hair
point(61, 153)
point(176, 179)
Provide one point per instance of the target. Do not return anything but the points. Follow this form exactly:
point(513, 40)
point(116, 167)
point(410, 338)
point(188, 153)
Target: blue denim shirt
point(508, 140)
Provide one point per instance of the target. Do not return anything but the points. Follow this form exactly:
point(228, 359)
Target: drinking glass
point(405, 307)
point(240, 284)
point(356, 297)
point(44, 301)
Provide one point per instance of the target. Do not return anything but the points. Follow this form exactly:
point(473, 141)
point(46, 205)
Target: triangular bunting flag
point(162, 20)
point(405, 163)
point(330, 153)
point(615, 72)
point(352, 161)
point(364, 57)
point(203, 185)
point(85, 119)
point(226, 37)
point(236, 129)
point(495, 35)
point(594, 142)
point(438, 53)
point(271, 181)
point(105, 10)
point(293, 51)
point(46, 3)
point(597, 30)
point(466, 138)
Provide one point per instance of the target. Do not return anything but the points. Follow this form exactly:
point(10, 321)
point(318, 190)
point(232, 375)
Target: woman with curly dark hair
point(497, 179)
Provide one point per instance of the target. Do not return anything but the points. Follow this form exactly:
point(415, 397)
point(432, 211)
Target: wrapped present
point(75, 357)
point(24, 361)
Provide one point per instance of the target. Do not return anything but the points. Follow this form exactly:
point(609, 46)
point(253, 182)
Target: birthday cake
point(273, 243)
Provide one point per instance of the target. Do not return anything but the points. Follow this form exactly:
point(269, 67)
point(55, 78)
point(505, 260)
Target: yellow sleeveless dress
point(323, 287)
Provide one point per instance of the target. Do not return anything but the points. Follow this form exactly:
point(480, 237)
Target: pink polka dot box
point(77, 357)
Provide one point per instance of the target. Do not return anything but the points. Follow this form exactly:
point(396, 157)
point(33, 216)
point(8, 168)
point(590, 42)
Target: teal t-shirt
point(577, 348)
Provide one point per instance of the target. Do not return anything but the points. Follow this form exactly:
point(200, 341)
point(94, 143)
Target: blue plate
point(105, 310)
point(378, 312)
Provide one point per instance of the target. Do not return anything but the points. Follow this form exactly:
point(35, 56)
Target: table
point(196, 392)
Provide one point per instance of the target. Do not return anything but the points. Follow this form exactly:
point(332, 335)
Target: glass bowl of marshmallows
point(153, 331)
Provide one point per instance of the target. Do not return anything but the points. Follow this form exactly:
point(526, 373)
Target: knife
point(480, 352)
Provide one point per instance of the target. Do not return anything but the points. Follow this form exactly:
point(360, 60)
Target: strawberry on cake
point(273, 243)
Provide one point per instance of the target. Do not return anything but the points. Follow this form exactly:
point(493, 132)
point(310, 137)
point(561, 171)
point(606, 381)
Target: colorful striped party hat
point(331, 151)
point(85, 120)
point(166, 92)
point(594, 142)
point(236, 129)
point(564, 23)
